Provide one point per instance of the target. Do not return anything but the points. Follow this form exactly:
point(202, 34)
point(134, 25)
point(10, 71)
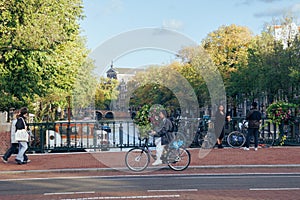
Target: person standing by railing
point(254, 120)
point(219, 125)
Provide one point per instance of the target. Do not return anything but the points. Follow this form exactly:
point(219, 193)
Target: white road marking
point(175, 190)
point(128, 197)
point(273, 189)
point(206, 175)
point(61, 193)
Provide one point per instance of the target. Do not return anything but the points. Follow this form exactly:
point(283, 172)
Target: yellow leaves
point(228, 47)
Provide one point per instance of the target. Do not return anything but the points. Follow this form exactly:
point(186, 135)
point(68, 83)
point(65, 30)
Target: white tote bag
point(22, 135)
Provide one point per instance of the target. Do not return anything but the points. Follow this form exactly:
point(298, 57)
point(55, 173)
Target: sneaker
point(255, 149)
point(157, 162)
point(4, 160)
point(246, 149)
point(19, 162)
point(26, 161)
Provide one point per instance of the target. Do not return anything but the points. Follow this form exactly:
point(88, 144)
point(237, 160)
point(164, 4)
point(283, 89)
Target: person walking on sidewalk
point(21, 124)
point(254, 120)
point(14, 144)
point(165, 134)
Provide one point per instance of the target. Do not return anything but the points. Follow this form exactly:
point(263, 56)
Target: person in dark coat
point(254, 120)
point(219, 125)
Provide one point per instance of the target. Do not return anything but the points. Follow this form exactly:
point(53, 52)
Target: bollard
point(121, 136)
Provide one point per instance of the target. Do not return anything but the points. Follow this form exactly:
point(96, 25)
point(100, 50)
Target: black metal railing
point(291, 129)
point(67, 136)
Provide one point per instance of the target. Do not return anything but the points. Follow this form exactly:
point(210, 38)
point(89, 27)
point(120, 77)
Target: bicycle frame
point(175, 156)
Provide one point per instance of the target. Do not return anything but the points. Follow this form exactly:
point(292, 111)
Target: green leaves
point(228, 47)
point(281, 111)
point(106, 92)
point(142, 120)
point(255, 67)
point(41, 51)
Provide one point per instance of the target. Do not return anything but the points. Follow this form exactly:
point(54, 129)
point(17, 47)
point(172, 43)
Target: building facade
point(286, 33)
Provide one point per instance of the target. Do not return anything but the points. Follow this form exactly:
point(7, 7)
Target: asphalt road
point(159, 186)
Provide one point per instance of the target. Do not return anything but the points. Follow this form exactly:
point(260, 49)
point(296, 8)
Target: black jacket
point(253, 117)
point(21, 123)
point(165, 131)
point(219, 123)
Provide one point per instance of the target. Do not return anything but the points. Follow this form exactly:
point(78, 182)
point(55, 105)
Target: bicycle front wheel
point(266, 138)
point(137, 159)
point(178, 159)
point(236, 139)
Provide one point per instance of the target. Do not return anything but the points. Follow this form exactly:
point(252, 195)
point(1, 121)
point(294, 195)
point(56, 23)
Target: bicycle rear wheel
point(178, 159)
point(236, 139)
point(137, 159)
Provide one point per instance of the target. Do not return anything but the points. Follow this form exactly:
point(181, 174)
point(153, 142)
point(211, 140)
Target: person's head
point(221, 107)
point(16, 114)
point(163, 114)
point(23, 112)
point(254, 104)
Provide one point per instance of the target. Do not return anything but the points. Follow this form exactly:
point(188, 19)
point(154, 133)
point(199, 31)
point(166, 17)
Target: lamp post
point(69, 121)
point(10, 114)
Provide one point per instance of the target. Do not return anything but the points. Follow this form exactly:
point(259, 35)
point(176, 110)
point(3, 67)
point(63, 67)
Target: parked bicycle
point(179, 134)
point(175, 156)
point(202, 130)
point(192, 131)
point(237, 139)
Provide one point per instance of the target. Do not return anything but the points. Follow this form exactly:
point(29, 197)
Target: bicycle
point(237, 139)
point(179, 135)
point(201, 135)
point(175, 156)
point(192, 131)
point(266, 138)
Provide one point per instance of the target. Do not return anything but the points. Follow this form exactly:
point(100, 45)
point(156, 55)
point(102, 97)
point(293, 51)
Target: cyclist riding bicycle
point(165, 135)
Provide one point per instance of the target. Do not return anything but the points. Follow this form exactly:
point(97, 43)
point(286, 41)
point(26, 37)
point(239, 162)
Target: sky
point(106, 19)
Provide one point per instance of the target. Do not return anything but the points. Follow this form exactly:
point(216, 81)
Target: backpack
point(173, 126)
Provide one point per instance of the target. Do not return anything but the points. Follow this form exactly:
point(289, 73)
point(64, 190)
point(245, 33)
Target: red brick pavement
point(200, 157)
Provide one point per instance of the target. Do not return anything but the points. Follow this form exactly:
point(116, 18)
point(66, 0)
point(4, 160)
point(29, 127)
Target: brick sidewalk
point(115, 160)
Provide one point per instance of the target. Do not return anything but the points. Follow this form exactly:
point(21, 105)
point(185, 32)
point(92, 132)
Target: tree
point(106, 92)
point(177, 85)
point(84, 87)
point(150, 87)
point(228, 48)
point(295, 68)
point(272, 66)
point(271, 72)
point(40, 50)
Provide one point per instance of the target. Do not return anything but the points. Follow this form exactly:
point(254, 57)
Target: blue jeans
point(254, 132)
point(22, 149)
point(13, 148)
